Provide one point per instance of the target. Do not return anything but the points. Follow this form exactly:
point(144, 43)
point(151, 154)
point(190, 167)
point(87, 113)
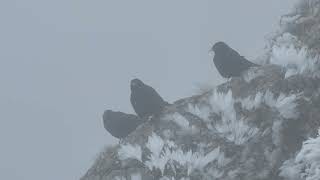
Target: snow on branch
point(306, 164)
point(128, 151)
point(294, 60)
point(286, 105)
point(233, 128)
point(165, 154)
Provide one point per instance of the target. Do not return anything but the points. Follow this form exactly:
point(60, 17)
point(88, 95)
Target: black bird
point(229, 62)
point(145, 100)
point(120, 124)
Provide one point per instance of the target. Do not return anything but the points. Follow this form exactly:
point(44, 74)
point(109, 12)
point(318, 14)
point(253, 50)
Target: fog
point(62, 63)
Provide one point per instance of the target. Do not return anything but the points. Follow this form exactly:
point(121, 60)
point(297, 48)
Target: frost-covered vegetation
point(284, 104)
point(297, 44)
point(229, 125)
point(295, 60)
point(129, 151)
point(166, 155)
point(234, 127)
point(303, 23)
point(306, 164)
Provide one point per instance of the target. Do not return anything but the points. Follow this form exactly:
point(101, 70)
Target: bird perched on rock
point(145, 100)
point(229, 62)
point(120, 124)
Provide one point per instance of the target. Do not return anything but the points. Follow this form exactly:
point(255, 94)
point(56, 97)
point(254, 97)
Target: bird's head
point(219, 46)
point(107, 114)
point(108, 111)
point(136, 83)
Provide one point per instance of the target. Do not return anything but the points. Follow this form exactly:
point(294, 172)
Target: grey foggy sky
point(62, 63)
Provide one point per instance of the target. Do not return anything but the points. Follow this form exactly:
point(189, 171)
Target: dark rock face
point(119, 124)
point(228, 62)
point(145, 100)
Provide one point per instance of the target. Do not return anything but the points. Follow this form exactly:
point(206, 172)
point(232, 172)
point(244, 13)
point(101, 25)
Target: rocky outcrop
point(260, 126)
point(240, 130)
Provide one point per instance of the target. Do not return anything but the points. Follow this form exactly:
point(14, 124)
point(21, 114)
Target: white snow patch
point(286, 105)
point(128, 151)
point(202, 112)
point(166, 153)
point(269, 99)
point(155, 144)
point(179, 120)
point(295, 60)
point(136, 176)
point(156, 160)
point(194, 160)
point(223, 103)
point(286, 40)
point(251, 103)
point(236, 130)
point(306, 164)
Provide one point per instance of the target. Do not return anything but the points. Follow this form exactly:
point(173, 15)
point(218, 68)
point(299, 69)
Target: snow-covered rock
point(306, 164)
point(263, 125)
point(238, 130)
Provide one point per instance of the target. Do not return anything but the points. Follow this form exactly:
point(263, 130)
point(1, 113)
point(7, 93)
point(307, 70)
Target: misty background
point(62, 63)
